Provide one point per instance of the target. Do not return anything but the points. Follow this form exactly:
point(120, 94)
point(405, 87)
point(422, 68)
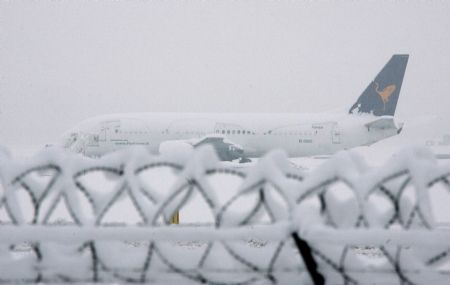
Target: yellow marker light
point(175, 218)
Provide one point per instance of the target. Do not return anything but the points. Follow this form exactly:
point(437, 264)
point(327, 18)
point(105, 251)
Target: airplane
point(243, 136)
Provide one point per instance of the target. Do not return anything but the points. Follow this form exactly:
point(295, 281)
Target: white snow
point(127, 197)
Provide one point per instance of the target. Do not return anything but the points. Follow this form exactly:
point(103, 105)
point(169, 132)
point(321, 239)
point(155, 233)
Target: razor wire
point(342, 223)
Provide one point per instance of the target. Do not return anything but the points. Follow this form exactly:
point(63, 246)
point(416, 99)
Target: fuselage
point(256, 134)
point(242, 135)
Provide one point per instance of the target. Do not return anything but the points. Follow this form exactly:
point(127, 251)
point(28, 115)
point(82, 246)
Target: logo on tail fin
point(385, 93)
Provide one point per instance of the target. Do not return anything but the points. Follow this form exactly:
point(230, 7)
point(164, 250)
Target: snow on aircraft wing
point(226, 150)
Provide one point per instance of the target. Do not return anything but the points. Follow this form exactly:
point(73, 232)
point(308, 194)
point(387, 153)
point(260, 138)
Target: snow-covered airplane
point(242, 136)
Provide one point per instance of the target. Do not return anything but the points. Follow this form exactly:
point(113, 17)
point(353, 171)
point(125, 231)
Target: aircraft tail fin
point(381, 96)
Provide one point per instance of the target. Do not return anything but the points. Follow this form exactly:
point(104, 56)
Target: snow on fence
point(342, 223)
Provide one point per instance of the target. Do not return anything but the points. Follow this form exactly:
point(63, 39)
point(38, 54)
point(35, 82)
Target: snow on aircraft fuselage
point(242, 135)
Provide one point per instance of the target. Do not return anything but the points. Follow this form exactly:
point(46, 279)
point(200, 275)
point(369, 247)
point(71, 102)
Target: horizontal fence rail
point(271, 223)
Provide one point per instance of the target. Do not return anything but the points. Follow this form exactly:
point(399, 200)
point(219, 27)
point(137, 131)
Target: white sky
point(64, 61)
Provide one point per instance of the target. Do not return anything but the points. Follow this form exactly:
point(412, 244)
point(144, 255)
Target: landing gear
point(245, 160)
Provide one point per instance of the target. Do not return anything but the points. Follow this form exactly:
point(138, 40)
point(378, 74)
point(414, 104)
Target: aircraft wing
point(226, 150)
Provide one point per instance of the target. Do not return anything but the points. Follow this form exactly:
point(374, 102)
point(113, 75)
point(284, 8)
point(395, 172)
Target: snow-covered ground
point(180, 242)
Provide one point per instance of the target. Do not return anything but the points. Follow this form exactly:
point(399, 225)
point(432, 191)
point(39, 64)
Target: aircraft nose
point(67, 140)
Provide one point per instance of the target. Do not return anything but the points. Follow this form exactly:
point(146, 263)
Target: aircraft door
point(103, 135)
point(335, 134)
point(107, 129)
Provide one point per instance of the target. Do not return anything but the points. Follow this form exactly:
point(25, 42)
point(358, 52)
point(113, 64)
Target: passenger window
point(233, 132)
point(223, 131)
point(238, 132)
point(228, 132)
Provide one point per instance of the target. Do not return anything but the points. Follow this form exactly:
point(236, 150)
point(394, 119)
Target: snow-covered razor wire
point(67, 218)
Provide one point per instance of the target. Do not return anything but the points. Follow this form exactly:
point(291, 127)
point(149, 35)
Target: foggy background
point(64, 61)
